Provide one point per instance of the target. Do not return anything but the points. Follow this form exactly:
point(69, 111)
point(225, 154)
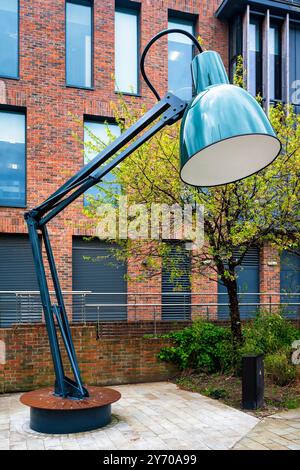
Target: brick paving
point(148, 416)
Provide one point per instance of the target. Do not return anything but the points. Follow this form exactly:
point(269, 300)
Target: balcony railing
point(24, 307)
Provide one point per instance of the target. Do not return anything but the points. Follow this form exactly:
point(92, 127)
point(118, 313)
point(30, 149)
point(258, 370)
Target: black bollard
point(252, 381)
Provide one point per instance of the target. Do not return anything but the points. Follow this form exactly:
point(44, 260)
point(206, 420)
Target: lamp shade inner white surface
point(230, 160)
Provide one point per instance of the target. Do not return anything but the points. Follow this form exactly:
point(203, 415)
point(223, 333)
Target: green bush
point(268, 334)
point(208, 348)
point(216, 393)
point(202, 346)
point(279, 367)
point(271, 335)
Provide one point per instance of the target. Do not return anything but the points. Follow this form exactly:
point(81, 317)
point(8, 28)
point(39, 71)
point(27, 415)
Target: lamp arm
point(166, 112)
point(157, 110)
point(152, 41)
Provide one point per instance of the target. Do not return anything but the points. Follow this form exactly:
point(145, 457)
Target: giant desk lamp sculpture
point(225, 136)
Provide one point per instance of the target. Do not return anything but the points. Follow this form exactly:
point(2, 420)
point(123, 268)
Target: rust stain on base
point(43, 398)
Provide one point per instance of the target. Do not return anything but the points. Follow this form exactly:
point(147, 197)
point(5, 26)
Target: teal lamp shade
point(225, 134)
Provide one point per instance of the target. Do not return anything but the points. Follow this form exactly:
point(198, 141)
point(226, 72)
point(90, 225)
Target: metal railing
point(21, 307)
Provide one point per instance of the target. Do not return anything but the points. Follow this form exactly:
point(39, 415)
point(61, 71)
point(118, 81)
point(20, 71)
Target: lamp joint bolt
point(30, 217)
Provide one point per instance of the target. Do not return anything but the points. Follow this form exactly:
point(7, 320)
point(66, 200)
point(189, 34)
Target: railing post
point(155, 329)
point(17, 308)
point(84, 309)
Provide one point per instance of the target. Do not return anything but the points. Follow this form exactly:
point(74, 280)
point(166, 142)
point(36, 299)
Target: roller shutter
point(176, 292)
point(248, 282)
point(290, 282)
point(17, 274)
point(95, 269)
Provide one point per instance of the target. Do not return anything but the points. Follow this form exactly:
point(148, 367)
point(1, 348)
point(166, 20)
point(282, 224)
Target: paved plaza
point(157, 416)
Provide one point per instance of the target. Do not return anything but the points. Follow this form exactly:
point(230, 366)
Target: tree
point(237, 216)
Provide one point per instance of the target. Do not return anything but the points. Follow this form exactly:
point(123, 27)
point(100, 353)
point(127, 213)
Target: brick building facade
point(37, 89)
point(41, 93)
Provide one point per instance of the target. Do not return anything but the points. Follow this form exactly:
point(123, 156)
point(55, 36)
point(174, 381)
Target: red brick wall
point(269, 274)
point(102, 360)
point(52, 152)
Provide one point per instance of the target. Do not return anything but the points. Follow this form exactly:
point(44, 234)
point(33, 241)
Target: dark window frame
point(18, 110)
point(88, 3)
point(259, 80)
point(294, 25)
point(277, 23)
point(238, 23)
point(17, 77)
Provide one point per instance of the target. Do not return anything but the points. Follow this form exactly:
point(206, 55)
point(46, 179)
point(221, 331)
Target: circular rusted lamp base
point(55, 415)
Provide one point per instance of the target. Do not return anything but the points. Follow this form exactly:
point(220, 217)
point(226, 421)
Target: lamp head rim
point(238, 179)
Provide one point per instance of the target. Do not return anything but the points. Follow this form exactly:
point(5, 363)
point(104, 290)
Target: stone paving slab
point(277, 432)
point(148, 416)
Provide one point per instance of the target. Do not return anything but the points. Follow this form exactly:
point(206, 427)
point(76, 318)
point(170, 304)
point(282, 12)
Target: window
point(126, 51)
point(255, 53)
point(12, 158)
point(235, 44)
point(295, 66)
point(180, 58)
point(104, 133)
point(275, 61)
point(79, 44)
point(9, 38)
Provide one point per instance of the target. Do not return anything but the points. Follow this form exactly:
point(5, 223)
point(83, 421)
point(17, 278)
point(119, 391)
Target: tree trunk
point(235, 317)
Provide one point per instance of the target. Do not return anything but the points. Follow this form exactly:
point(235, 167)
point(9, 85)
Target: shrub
point(208, 348)
point(202, 346)
point(268, 334)
point(279, 368)
point(271, 335)
point(216, 393)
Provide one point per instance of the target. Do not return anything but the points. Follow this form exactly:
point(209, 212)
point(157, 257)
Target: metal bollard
point(252, 381)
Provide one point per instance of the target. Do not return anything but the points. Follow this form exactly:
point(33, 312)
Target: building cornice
point(229, 8)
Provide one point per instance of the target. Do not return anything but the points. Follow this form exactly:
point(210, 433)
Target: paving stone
point(35, 444)
point(20, 446)
point(294, 447)
point(157, 415)
point(255, 445)
point(275, 446)
point(275, 434)
point(4, 444)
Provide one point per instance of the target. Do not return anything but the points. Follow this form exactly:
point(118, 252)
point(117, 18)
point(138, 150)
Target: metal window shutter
point(179, 287)
point(17, 273)
point(248, 281)
point(290, 281)
point(96, 269)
